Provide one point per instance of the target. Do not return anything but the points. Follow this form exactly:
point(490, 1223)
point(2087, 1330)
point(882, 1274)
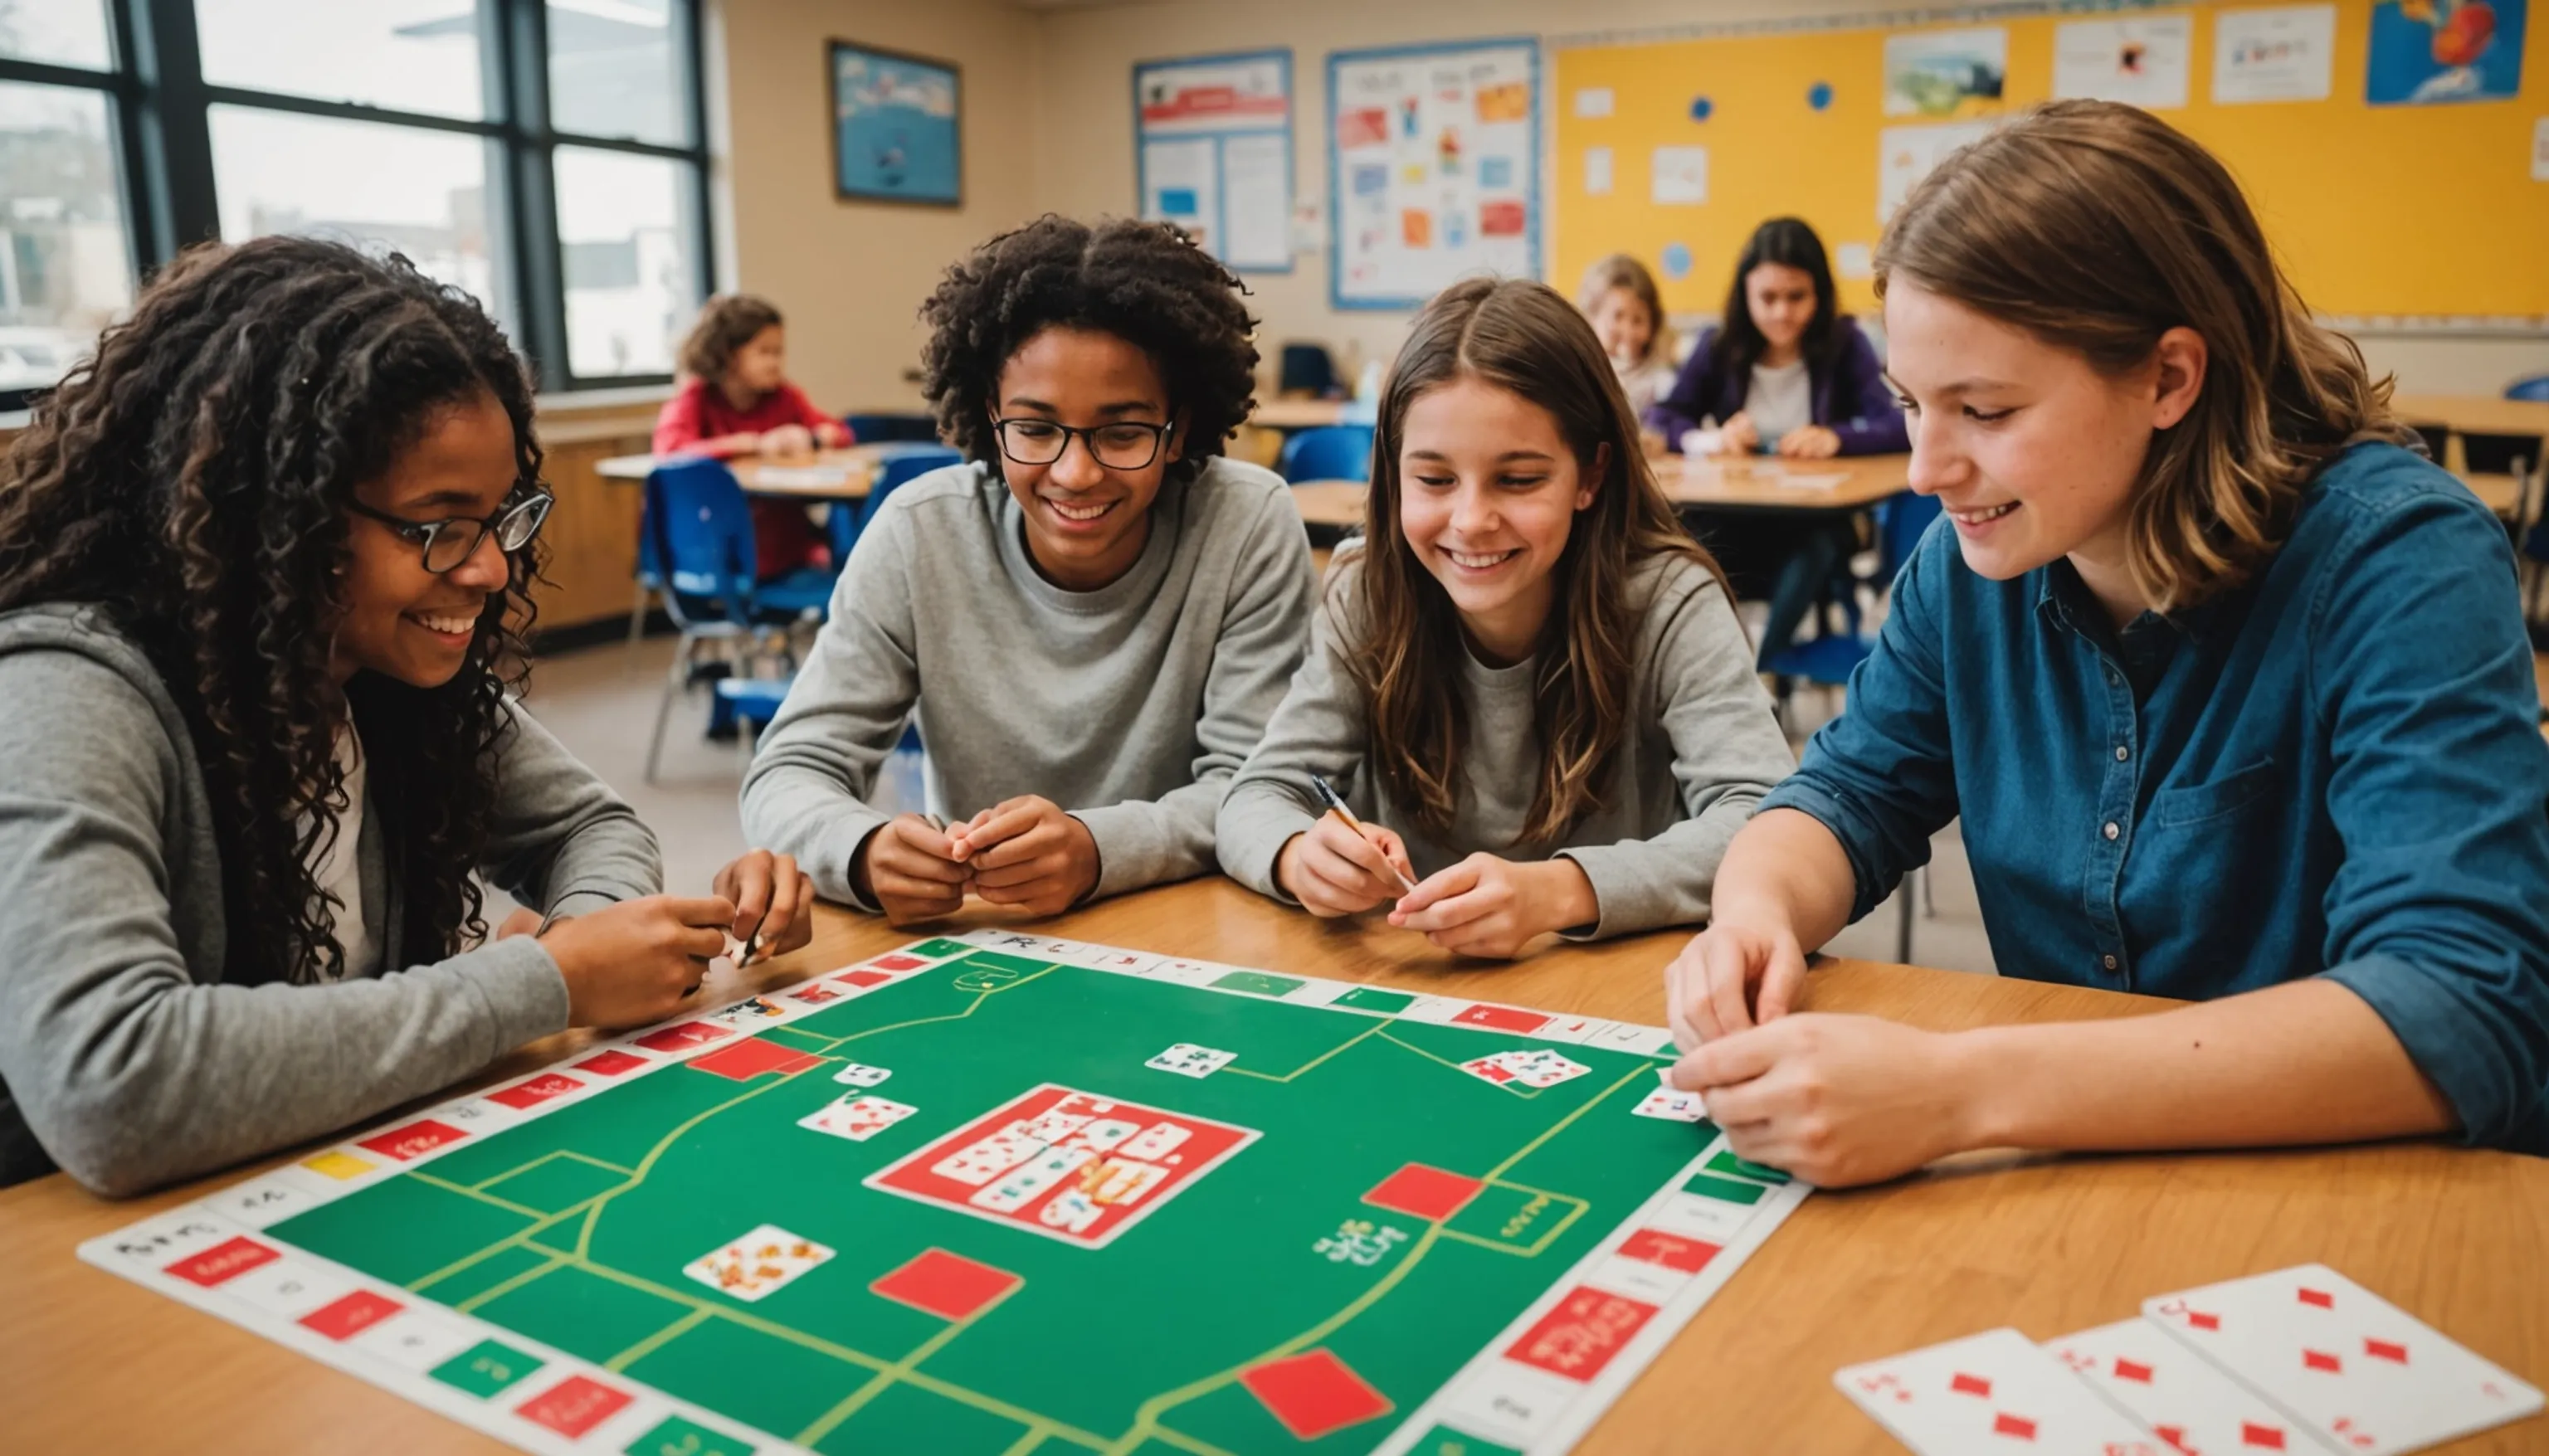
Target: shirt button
point(2123, 753)
point(2111, 831)
point(2109, 962)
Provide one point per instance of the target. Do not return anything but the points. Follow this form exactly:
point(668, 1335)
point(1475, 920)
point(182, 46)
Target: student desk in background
point(1297, 413)
point(2050, 1246)
point(1742, 485)
point(826, 475)
point(2478, 414)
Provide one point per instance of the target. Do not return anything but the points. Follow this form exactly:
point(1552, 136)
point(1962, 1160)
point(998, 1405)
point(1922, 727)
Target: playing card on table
point(857, 1074)
point(1540, 1069)
point(856, 1117)
point(1021, 1186)
point(1670, 1102)
point(2365, 1375)
point(1489, 1069)
point(1990, 1391)
point(2182, 1397)
point(984, 1160)
point(762, 1261)
point(1190, 1060)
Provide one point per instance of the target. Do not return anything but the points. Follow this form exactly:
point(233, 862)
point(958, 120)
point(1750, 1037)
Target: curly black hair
point(191, 479)
point(1146, 283)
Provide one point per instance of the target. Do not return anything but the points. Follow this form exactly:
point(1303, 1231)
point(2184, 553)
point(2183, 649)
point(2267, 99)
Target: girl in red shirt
point(735, 399)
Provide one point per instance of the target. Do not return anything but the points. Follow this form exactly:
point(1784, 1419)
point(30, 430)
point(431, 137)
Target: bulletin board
point(1212, 138)
point(2421, 211)
point(1433, 169)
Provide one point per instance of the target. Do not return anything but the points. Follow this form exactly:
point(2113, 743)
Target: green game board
point(999, 1194)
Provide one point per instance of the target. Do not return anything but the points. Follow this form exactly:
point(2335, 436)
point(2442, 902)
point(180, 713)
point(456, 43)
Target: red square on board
point(863, 977)
point(1689, 1255)
point(414, 1139)
point(682, 1038)
point(1500, 1018)
point(1578, 1337)
point(815, 995)
point(356, 1312)
point(752, 1056)
point(897, 962)
point(949, 1286)
point(610, 1063)
point(222, 1261)
point(1314, 1393)
point(537, 1090)
point(1424, 1193)
point(573, 1406)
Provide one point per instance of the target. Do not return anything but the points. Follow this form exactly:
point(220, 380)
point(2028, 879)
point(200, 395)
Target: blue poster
point(2430, 51)
point(894, 127)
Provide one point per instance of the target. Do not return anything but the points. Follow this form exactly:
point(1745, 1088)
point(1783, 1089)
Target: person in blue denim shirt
point(2229, 690)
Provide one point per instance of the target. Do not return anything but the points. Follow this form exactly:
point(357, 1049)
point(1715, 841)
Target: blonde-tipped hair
point(2096, 227)
point(1623, 270)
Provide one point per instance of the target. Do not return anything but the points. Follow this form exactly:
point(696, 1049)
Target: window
point(545, 155)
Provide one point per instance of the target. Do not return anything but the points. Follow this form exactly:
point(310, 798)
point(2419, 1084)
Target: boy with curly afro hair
point(1090, 620)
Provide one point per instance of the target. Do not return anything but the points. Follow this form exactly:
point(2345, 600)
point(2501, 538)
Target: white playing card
point(856, 1117)
point(1489, 1069)
point(984, 1160)
point(857, 1074)
point(1155, 1141)
point(761, 1262)
point(1990, 1391)
point(1023, 1185)
point(2178, 1394)
point(1103, 1136)
point(1054, 1125)
point(1672, 1103)
point(1190, 1060)
point(2367, 1375)
point(1542, 1068)
point(1070, 1209)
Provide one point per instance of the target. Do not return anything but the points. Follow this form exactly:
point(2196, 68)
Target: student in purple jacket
point(1786, 374)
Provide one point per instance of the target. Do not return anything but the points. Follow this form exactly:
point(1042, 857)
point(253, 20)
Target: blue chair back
point(1308, 367)
point(1900, 523)
point(885, 428)
point(2534, 389)
point(700, 531)
point(1331, 452)
point(902, 463)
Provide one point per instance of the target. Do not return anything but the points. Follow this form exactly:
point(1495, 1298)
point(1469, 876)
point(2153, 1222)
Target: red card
point(1314, 1393)
point(1671, 1251)
point(949, 1286)
point(752, 1056)
point(1578, 1337)
point(356, 1312)
point(1422, 1192)
point(537, 1090)
point(411, 1140)
point(222, 1261)
point(682, 1037)
point(610, 1063)
point(573, 1406)
point(1501, 1018)
point(863, 977)
point(897, 962)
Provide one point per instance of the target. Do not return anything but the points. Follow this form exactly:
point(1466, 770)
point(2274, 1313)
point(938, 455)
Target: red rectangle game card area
point(1070, 1165)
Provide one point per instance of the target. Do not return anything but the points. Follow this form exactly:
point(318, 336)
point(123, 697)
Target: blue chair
point(1306, 369)
point(1830, 659)
point(1330, 452)
point(901, 464)
point(887, 428)
point(697, 537)
point(2534, 389)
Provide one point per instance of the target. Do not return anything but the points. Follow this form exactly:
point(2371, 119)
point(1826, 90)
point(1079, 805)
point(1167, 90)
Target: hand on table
point(912, 870)
point(787, 439)
point(773, 901)
point(1834, 1099)
point(1492, 907)
point(1739, 436)
point(1334, 871)
point(831, 435)
point(1810, 442)
point(636, 961)
point(1025, 852)
point(1728, 976)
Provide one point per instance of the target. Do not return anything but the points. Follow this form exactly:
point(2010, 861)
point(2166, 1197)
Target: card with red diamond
point(1996, 1391)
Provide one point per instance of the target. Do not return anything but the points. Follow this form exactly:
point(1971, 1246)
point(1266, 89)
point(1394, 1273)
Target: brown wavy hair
point(1522, 336)
point(190, 479)
point(1623, 270)
point(727, 322)
point(2096, 227)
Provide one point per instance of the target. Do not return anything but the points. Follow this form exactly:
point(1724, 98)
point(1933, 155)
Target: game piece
point(528, 1260)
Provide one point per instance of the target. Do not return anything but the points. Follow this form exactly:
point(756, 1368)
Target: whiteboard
point(1433, 169)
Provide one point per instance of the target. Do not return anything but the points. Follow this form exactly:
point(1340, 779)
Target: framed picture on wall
point(898, 131)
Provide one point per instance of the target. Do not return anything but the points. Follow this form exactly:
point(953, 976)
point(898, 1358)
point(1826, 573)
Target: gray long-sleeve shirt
point(126, 1057)
point(1703, 747)
point(1130, 706)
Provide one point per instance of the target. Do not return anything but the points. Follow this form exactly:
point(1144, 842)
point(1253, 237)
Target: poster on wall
point(1213, 154)
point(1946, 74)
point(896, 127)
point(2140, 63)
point(1433, 169)
point(2425, 51)
point(1905, 154)
point(2283, 52)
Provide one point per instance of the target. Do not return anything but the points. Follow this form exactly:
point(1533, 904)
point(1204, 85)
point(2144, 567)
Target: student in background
point(735, 399)
point(1531, 682)
point(263, 561)
point(1626, 312)
point(1090, 620)
point(2229, 691)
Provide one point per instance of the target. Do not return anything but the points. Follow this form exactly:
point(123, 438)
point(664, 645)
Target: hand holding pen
point(1342, 866)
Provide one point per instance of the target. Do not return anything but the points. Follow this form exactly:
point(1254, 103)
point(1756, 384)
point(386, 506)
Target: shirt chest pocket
point(2216, 802)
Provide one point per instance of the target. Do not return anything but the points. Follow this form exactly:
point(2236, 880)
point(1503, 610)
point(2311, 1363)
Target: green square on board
point(1257, 983)
point(678, 1437)
point(485, 1368)
point(1726, 1162)
point(1442, 1440)
point(1373, 998)
point(1724, 1190)
point(937, 950)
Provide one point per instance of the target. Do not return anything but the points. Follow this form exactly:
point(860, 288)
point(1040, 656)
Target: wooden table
point(2051, 1245)
point(1297, 413)
point(1763, 482)
point(1330, 502)
point(2474, 413)
point(847, 472)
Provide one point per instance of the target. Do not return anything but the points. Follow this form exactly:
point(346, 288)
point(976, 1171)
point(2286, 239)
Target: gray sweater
point(1129, 706)
point(126, 1055)
point(1703, 748)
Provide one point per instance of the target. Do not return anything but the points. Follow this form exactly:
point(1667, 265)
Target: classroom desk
point(1760, 483)
point(849, 469)
point(2050, 1246)
point(1330, 502)
point(1297, 413)
point(2475, 413)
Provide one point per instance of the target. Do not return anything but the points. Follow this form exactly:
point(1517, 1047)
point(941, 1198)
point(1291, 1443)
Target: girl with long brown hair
point(1529, 682)
point(2228, 687)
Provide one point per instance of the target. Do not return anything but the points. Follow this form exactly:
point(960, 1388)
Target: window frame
point(161, 121)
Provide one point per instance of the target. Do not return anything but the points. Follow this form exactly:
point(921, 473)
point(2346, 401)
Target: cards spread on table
point(1525, 1069)
point(1990, 1391)
point(856, 1117)
point(2183, 1399)
point(1190, 1060)
point(2364, 1374)
point(767, 1260)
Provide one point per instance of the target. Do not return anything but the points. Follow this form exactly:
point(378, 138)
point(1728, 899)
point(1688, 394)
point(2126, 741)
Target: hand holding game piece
point(1835, 1100)
point(1810, 442)
point(1710, 989)
point(636, 961)
point(1029, 854)
point(773, 904)
point(1739, 435)
point(787, 439)
point(831, 435)
point(1492, 907)
point(1334, 868)
point(910, 870)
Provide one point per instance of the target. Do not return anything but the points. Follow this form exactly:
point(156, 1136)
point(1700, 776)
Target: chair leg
point(1903, 926)
point(676, 682)
point(637, 626)
point(1928, 898)
point(746, 733)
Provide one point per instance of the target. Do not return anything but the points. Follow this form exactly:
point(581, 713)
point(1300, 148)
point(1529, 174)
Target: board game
point(994, 1194)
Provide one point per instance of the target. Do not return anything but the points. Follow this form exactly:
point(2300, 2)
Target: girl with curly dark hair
point(1090, 620)
point(1530, 680)
point(263, 563)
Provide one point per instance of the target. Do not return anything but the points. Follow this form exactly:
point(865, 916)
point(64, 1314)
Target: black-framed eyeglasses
point(1123, 445)
point(444, 544)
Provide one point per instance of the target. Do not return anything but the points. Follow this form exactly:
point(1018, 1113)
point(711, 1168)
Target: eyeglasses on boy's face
point(445, 544)
point(1123, 445)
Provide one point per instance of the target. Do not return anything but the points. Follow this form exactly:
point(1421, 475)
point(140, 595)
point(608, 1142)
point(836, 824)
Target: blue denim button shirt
point(2336, 770)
